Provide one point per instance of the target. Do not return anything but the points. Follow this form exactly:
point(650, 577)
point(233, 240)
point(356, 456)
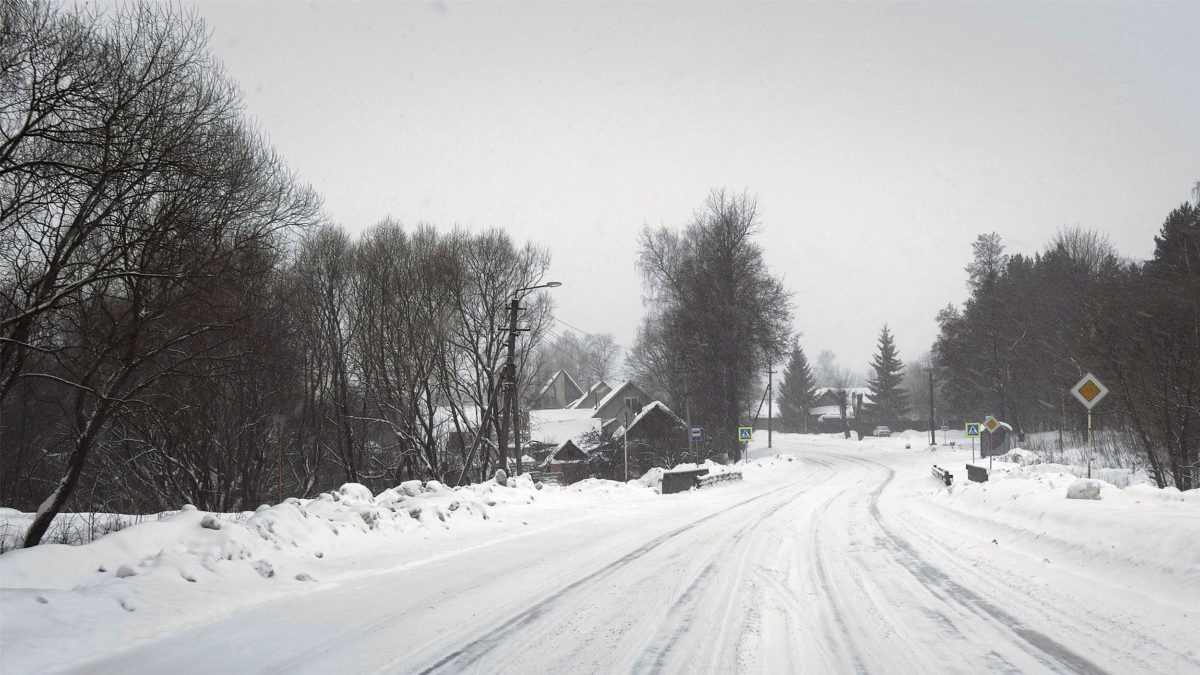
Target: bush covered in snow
point(1085, 488)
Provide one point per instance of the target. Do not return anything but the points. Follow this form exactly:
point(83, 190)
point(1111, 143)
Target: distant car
point(882, 431)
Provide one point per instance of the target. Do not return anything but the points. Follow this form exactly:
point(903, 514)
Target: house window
point(632, 403)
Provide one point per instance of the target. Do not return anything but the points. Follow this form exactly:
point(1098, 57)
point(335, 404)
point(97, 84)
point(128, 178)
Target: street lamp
point(510, 365)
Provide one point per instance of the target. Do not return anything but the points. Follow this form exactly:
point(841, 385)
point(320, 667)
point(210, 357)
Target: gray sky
point(880, 139)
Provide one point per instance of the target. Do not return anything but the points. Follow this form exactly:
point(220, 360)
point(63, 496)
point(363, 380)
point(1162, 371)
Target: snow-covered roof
point(646, 410)
point(579, 401)
point(553, 456)
point(470, 414)
point(829, 410)
point(866, 392)
point(615, 393)
point(556, 425)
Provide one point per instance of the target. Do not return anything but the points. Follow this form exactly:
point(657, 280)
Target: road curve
point(803, 573)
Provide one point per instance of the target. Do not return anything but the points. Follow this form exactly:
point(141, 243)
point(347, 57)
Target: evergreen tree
point(891, 401)
point(797, 392)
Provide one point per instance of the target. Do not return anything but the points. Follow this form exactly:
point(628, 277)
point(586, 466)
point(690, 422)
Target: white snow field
point(831, 556)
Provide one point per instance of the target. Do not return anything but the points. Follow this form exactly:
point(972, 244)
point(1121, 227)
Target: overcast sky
point(880, 139)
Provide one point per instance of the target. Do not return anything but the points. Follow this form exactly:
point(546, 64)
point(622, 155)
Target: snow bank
point(1148, 533)
point(1085, 488)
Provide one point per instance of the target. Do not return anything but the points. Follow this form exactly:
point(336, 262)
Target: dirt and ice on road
point(831, 555)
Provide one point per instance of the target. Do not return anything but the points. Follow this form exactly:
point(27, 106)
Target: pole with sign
point(1089, 391)
point(973, 433)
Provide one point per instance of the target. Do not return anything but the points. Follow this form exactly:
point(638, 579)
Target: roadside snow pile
point(1020, 456)
point(1091, 521)
point(1084, 488)
point(188, 543)
point(652, 479)
point(1026, 467)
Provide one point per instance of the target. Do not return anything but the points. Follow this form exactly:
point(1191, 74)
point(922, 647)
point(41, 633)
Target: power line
point(593, 335)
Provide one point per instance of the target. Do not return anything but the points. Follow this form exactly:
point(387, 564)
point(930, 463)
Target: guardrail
point(680, 481)
point(686, 479)
point(718, 477)
point(942, 474)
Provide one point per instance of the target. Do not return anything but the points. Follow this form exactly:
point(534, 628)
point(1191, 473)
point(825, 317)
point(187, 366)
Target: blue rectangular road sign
point(745, 433)
point(973, 429)
point(696, 433)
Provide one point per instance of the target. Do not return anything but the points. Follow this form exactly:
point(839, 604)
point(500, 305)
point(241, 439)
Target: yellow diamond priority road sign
point(1089, 391)
point(991, 424)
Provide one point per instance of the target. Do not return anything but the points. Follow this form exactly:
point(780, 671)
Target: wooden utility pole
point(770, 402)
point(932, 436)
point(687, 407)
point(510, 386)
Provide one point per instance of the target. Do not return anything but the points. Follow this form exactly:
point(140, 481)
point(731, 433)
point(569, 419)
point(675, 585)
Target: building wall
point(615, 408)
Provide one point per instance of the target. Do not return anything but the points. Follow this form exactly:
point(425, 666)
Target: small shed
point(996, 442)
point(569, 460)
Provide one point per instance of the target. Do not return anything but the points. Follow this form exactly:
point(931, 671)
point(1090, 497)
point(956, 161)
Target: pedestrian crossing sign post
point(973, 433)
point(745, 434)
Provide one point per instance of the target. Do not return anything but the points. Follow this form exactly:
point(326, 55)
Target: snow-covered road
point(849, 559)
point(835, 556)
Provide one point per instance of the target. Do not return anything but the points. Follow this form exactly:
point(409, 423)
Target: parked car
point(882, 431)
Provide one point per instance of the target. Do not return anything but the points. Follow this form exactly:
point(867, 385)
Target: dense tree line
point(177, 324)
point(716, 318)
point(1033, 325)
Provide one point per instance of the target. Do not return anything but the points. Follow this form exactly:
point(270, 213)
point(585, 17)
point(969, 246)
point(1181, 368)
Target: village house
point(604, 412)
point(559, 391)
point(826, 414)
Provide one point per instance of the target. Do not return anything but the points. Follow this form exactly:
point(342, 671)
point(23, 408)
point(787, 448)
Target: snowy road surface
point(843, 560)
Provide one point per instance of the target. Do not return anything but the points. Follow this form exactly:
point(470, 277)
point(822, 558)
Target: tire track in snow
point(827, 586)
point(679, 616)
point(1047, 650)
point(469, 654)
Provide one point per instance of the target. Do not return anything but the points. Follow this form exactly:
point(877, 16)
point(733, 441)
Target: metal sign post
point(991, 425)
point(1089, 391)
point(973, 433)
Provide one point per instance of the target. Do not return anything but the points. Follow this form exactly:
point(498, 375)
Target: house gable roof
point(654, 408)
point(553, 378)
point(588, 394)
point(866, 392)
point(567, 451)
point(618, 393)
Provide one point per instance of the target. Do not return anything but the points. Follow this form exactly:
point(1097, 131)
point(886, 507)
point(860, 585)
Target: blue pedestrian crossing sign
point(745, 434)
point(973, 429)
